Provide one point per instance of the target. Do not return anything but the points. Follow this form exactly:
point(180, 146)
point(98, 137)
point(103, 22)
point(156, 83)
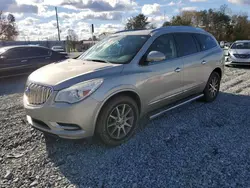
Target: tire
point(212, 88)
point(113, 129)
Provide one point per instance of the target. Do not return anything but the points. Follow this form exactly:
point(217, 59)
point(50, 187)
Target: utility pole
point(58, 30)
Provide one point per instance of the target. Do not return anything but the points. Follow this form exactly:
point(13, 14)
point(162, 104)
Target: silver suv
point(123, 77)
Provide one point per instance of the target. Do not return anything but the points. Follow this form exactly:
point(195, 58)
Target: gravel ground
point(199, 145)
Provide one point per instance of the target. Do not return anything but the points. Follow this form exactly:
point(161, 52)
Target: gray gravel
point(199, 145)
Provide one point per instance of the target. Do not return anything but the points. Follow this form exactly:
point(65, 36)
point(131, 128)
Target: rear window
point(206, 41)
point(186, 44)
point(39, 52)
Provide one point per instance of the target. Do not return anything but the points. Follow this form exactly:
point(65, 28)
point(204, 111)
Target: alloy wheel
point(214, 87)
point(120, 121)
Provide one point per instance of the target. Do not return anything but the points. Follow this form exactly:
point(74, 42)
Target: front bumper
point(71, 121)
point(236, 61)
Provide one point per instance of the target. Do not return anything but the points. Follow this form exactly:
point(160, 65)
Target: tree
point(72, 39)
point(220, 22)
point(165, 24)
point(152, 26)
point(138, 22)
point(8, 29)
point(179, 20)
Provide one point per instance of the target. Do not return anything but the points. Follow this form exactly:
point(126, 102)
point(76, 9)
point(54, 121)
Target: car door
point(15, 62)
point(164, 78)
point(188, 52)
point(208, 56)
point(39, 57)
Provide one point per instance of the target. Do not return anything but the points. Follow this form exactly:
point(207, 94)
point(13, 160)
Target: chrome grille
point(37, 94)
point(243, 56)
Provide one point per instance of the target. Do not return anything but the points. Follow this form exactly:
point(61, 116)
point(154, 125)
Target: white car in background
point(59, 49)
point(239, 53)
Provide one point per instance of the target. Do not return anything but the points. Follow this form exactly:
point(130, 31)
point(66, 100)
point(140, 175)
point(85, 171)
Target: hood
point(239, 51)
point(72, 70)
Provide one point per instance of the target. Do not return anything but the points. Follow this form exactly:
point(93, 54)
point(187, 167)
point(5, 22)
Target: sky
point(36, 19)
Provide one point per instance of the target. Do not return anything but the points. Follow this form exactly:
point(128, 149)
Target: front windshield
point(116, 49)
point(241, 45)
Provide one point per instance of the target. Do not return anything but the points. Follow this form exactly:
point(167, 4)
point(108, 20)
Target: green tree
point(8, 28)
point(165, 24)
point(138, 22)
point(179, 20)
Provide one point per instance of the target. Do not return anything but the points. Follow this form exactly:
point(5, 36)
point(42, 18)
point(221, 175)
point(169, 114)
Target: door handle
point(47, 57)
point(203, 62)
point(23, 61)
point(177, 69)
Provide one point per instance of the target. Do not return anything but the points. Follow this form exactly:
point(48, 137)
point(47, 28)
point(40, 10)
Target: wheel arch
point(127, 92)
point(218, 70)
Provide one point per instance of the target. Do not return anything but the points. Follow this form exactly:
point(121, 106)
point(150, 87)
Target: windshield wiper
point(98, 60)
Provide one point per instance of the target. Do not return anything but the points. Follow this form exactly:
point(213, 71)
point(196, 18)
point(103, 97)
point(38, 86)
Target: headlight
point(79, 91)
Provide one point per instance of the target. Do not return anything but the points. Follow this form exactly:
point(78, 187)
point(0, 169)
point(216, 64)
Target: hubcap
point(214, 86)
point(120, 121)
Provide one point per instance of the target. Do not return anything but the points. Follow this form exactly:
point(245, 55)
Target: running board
point(175, 106)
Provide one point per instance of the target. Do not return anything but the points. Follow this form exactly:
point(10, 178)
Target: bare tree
point(72, 40)
point(8, 28)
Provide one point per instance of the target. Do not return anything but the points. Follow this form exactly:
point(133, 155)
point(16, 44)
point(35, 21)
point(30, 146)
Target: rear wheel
point(212, 88)
point(117, 120)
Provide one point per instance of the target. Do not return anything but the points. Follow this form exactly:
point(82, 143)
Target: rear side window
point(166, 45)
point(185, 43)
point(36, 52)
point(206, 41)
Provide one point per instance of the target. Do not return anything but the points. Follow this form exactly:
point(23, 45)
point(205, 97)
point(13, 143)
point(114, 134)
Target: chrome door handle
point(203, 62)
point(47, 57)
point(23, 61)
point(177, 69)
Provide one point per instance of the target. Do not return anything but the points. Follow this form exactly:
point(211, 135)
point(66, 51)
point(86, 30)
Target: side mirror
point(155, 56)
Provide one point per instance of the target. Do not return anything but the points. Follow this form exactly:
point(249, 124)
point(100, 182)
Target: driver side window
point(166, 45)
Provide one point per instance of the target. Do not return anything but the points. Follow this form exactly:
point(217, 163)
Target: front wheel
point(117, 120)
point(212, 88)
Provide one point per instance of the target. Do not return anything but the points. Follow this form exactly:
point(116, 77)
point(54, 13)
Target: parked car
point(59, 49)
point(18, 60)
point(239, 53)
point(120, 79)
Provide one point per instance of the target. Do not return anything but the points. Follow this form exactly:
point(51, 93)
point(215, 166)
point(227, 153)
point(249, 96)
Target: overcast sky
point(36, 18)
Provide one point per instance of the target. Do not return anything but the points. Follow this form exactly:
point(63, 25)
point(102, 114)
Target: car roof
point(242, 41)
point(23, 46)
point(162, 29)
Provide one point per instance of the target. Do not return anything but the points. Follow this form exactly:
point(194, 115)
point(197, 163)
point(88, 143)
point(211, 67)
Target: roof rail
point(129, 30)
point(173, 27)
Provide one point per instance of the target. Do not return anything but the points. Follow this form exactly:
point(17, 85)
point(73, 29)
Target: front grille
point(243, 56)
point(37, 94)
